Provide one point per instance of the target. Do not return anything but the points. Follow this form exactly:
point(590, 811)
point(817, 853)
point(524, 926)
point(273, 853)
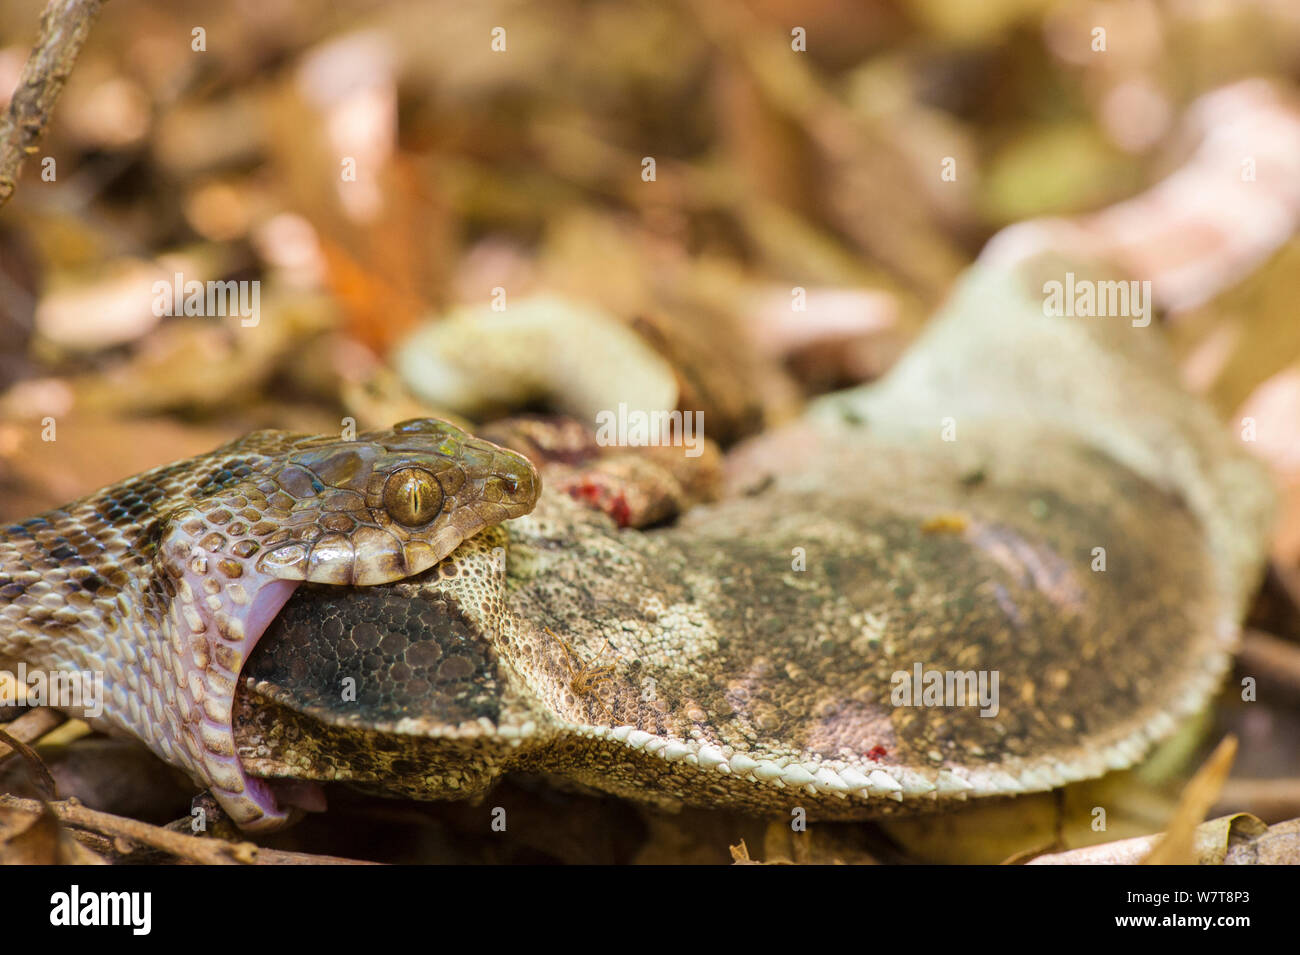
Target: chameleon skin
point(165, 582)
point(755, 640)
point(742, 682)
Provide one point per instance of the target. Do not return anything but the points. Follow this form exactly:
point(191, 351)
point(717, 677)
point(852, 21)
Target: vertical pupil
point(412, 496)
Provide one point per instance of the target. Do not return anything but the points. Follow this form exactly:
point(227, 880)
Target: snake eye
point(412, 496)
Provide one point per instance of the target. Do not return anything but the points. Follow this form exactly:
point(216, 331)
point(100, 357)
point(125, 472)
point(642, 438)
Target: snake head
point(388, 504)
point(274, 509)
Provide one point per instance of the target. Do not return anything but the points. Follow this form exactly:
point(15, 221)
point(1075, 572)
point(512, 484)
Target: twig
point(90, 827)
point(35, 765)
point(1275, 660)
point(189, 848)
point(65, 24)
point(32, 725)
point(1273, 800)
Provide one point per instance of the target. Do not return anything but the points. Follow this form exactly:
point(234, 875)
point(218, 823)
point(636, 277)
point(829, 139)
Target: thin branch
point(65, 24)
point(1275, 660)
point(40, 773)
point(190, 848)
point(31, 726)
point(90, 827)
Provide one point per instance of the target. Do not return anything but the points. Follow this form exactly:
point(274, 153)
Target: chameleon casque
point(746, 655)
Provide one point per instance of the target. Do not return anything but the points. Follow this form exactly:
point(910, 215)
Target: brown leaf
point(37, 838)
point(1178, 845)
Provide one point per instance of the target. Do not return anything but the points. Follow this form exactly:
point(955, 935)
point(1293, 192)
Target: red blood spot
point(586, 491)
point(603, 498)
point(876, 752)
point(619, 510)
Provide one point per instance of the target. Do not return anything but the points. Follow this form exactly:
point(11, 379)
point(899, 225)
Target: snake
point(162, 584)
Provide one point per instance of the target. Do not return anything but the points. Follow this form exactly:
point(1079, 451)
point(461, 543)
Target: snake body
point(164, 583)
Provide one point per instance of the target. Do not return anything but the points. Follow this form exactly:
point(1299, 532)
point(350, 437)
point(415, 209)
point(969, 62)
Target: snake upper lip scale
point(164, 582)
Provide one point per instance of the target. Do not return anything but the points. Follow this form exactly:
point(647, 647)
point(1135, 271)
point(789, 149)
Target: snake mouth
point(266, 606)
point(305, 636)
point(352, 518)
point(222, 635)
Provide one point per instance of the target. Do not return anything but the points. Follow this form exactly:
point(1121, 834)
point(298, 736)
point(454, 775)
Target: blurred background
point(670, 176)
point(374, 165)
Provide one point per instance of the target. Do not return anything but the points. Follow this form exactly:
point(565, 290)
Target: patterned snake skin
point(165, 582)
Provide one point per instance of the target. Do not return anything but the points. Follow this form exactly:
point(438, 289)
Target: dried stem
point(65, 24)
point(90, 827)
point(31, 726)
point(1274, 659)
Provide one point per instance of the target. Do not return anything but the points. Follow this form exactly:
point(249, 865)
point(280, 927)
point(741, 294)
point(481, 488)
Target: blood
point(612, 503)
point(619, 510)
point(876, 752)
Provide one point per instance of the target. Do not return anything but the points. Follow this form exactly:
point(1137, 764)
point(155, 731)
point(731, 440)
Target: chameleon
point(1027, 500)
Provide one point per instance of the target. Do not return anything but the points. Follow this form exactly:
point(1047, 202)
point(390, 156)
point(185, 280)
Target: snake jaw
point(218, 605)
point(231, 559)
point(210, 684)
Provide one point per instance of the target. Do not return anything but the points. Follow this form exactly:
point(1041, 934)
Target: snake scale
point(165, 582)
